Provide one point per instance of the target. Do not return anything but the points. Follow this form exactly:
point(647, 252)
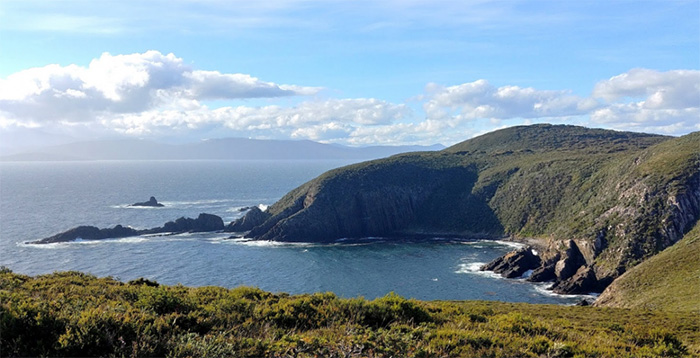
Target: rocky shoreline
point(562, 263)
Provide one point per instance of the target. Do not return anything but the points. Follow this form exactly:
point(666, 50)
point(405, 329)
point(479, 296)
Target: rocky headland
point(598, 201)
point(203, 223)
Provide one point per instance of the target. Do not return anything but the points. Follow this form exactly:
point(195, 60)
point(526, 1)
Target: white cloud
point(670, 89)
point(329, 120)
point(156, 95)
point(639, 100)
point(648, 100)
point(481, 100)
point(331, 131)
point(119, 84)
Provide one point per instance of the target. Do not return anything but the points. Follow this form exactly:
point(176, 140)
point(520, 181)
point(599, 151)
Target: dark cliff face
point(380, 199)
point(621, 197)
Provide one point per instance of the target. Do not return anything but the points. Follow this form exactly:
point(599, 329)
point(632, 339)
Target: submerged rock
point(151, 202)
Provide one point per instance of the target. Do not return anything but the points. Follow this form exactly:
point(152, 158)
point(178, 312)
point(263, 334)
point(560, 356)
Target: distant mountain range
point(213, 149)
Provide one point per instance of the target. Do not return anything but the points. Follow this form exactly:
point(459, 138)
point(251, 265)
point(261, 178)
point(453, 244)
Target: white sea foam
point(80, 241)
point(179, 204)
point(127, 240)
point(474, 268)
point(195, 202)
point(129, 206)
point(263, 207)
point(515, 245)
point(544, 288)
point(268, 243)
point(240, 210)
point(527, 274)
point(479, 244)
point(213, 237)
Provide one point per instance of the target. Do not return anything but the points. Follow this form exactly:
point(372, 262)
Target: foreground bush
point(74, 314)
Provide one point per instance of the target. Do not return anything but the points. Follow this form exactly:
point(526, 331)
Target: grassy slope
point(73, 314)
point(668, 281)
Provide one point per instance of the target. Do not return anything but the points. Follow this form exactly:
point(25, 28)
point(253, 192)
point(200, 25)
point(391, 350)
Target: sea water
point(40, 199)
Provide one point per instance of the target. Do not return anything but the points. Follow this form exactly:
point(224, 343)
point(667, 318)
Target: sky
point(348, 72)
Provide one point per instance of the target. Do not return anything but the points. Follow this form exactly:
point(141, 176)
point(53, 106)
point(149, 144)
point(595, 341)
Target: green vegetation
point(75, 314)
point(667, 281)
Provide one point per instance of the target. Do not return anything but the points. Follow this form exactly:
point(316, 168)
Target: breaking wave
point(544, 289)
point(474, 268)
point(268, 243)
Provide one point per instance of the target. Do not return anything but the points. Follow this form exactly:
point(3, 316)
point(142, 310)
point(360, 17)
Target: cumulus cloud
point(648, 100)
point(153, 95)
point(117, 84)
point(640, 100)
point(670, 89)
point(329, 120)
point(481, 100)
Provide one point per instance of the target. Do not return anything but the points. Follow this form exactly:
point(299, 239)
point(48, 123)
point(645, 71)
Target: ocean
point(40, 199)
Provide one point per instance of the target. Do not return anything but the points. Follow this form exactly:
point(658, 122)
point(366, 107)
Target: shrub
point(162, 300)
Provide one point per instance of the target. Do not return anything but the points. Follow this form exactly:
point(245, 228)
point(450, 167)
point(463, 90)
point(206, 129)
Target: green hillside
point(73, 314)
point(668, 281)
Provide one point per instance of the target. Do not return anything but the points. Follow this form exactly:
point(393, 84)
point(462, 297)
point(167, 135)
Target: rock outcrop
point(563, 264)
point(251, 219)
point(566, 267)
point(89, 233)
point(152, 202)
point(203, 223)
point(514, 264)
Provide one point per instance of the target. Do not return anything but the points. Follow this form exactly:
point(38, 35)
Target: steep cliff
point(404, 196)
point(667, 281)
point(603, 200)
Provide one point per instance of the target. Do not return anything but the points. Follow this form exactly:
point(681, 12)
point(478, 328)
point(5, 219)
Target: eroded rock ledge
point(203, 223)
point(564, 265)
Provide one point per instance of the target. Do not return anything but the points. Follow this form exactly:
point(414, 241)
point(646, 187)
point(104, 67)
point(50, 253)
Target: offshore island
point(599, 210)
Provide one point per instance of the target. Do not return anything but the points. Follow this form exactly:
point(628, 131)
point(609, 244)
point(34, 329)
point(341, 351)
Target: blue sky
point(348, 72)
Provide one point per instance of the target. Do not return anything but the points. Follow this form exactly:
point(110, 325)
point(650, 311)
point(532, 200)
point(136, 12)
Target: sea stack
point(151, 202)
